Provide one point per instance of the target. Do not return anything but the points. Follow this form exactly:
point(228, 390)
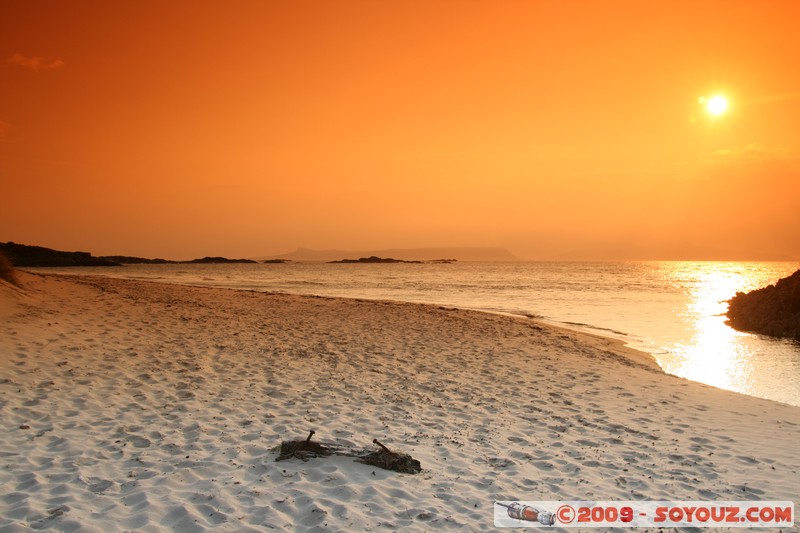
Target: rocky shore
point(772, 310)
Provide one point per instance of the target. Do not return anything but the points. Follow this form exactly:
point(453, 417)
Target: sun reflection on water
point(717, 354)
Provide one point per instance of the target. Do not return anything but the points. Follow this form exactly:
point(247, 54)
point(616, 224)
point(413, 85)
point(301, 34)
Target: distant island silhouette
point(373, 259)
point(218, 260)
point(23, 255)
point(404, 254)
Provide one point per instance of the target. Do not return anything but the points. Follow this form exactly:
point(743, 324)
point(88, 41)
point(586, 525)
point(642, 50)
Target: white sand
point(141, 406)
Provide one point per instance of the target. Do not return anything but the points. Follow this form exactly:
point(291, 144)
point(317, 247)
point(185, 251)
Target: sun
point(715, 105)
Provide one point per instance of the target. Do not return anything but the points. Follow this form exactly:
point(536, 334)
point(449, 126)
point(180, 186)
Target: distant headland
point(22, 255)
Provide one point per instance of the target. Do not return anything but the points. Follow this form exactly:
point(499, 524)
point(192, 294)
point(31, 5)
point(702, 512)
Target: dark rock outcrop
point(22, 255)
point(772, 310)
point(215, 260)
point(374, 259)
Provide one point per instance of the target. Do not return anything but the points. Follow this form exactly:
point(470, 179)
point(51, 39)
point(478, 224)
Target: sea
point(672, 310)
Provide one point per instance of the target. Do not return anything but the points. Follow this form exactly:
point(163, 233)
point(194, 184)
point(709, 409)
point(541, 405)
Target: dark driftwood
point(381, 458)
point(305, 449)
point(397, 462)
point(301, 449)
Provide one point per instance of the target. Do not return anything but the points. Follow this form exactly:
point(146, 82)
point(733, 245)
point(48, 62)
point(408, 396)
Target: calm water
point(673, 310)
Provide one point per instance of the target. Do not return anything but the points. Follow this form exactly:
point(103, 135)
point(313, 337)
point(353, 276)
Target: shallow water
point(673, 310)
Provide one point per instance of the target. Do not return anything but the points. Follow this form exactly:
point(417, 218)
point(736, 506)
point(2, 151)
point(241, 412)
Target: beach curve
point(137, 405)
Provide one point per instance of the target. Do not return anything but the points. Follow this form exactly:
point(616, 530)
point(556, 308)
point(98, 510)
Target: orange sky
point(555, 129)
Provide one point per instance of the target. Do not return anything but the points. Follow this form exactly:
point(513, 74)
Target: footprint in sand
point(707, 494)
point(138, 441)
point(499, 462)
point(749, 490)
point(99, 486)
point(543, 465)
point(136, 501)
point(213, 516)
point(52, 514)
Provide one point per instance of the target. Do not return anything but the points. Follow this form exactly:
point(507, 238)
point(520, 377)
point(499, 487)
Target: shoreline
point(615, 344)
point(638, 356)
point(679, 340)
point(131, 404)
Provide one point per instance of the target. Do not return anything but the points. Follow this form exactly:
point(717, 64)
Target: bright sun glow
point(717, 105)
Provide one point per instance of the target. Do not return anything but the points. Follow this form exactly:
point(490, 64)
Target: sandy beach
point(132, 405)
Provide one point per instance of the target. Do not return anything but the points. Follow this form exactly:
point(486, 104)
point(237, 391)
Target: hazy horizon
point(618, 130)
point(461, 253)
